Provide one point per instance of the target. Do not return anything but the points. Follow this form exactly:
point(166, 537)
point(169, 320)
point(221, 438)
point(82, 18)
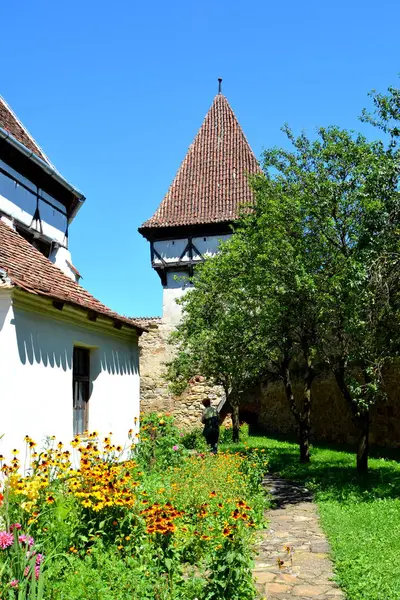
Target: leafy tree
point(251, 314)
point(280, 282)
point(347, 187)
point(309, 278)
point(212, 338)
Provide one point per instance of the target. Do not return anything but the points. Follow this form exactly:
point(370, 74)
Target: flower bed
point(150, 521)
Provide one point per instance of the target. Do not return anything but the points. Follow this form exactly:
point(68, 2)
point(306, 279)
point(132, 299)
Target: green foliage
point(160, 443)
point(386, 114)
point(109, 575)
point(309, 281)
point(230, 570)
point(347, 190)
point(225, 435)
point(194, 440)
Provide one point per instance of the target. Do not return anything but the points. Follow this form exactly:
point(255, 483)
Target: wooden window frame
point(80, 388)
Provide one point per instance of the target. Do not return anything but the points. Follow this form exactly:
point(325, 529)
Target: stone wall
point(331, 417)
point(264, 406)
point(155, 395)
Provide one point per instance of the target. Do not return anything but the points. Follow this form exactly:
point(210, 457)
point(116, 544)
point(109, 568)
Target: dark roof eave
point(167, 231)
point(117, 318)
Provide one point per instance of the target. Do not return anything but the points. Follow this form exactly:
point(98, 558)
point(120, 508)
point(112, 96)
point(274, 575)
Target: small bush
point(194, 440)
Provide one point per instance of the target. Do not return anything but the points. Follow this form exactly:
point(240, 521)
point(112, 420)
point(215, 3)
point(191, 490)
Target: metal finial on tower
point(219, 85)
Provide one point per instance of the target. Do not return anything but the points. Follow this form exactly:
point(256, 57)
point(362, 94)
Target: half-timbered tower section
point(204, 200)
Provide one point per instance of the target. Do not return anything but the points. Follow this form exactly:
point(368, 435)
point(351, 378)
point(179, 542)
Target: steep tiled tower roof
point(10, 122)
point(212, 182)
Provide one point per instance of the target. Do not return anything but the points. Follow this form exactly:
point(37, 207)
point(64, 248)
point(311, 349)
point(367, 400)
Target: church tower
point(203, 201)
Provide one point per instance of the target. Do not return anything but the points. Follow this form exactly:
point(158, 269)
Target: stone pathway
point(293, 554)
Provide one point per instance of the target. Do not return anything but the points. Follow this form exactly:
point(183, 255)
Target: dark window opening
point(81, 389)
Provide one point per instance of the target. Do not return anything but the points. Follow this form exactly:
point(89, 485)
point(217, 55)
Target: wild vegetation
point(153, 520)
point(310, 281)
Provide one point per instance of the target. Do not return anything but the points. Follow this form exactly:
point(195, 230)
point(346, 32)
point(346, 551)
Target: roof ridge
point(42, 154)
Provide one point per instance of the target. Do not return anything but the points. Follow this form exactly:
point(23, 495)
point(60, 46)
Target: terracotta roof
point(10, 122)
point(212, 182)
point(148, 321)
point(32, 272)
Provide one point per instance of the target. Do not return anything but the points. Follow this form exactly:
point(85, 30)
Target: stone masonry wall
point(155, 395)
point(266, 406)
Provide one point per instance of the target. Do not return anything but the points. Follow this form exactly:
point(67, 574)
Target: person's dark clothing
point(210, 419)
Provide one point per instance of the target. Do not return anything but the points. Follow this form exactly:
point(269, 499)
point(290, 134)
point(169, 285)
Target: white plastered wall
point(176, 287)
point(36, 376)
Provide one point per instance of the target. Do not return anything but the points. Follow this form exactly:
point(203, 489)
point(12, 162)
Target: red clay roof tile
point(32, 272)
point(212, 182)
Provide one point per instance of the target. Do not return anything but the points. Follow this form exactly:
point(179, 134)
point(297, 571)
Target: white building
point(67, 362)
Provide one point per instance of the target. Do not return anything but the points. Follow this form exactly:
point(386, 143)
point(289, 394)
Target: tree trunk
point(289, 392)
point(362, 423)
point(304, 433)
point(305, 417)
point(304, 442)
point(363, 444)
point(235, 419)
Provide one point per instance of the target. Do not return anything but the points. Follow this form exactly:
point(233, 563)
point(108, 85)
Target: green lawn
point(361, 516)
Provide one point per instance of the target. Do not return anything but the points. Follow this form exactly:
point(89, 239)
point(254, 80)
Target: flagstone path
point(293, 554)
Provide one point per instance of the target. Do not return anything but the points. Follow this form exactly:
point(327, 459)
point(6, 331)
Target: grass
point(360, 515)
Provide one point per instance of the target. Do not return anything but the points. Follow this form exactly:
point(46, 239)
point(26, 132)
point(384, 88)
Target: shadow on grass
point(331, 474)
point(375, 451)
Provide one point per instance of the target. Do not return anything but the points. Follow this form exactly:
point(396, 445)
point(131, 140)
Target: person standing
point(210, 420)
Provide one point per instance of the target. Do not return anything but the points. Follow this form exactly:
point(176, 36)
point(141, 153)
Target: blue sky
point(114, 92)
